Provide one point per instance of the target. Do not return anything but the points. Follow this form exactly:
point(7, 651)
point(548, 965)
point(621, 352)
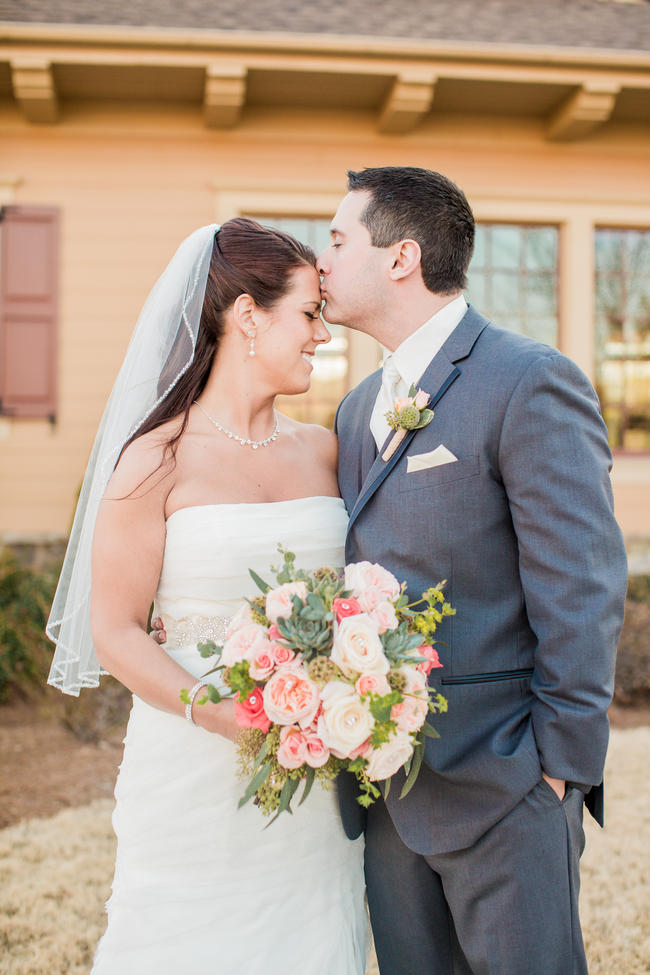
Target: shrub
point(25, 599)
point(632, 685)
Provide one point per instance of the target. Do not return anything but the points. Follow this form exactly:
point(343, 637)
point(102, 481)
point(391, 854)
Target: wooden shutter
point(29, 243)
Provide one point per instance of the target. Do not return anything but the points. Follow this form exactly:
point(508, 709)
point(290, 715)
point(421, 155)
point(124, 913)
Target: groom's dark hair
point(421, 205)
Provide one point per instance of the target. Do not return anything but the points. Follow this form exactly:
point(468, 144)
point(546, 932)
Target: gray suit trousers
point(507, 905)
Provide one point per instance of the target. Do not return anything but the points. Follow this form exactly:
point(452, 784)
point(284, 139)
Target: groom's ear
point(406, 257)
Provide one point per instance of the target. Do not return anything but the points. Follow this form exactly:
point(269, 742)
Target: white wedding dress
point(200, 886)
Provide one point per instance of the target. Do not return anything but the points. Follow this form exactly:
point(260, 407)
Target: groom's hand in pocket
point(557, 785)
point(157, 631)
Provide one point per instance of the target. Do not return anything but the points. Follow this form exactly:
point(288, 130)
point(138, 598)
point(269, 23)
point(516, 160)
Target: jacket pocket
point(431, 477)
point(523, 672)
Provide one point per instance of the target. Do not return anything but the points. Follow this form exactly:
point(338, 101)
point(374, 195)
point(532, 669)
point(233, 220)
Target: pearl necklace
point(233, 436)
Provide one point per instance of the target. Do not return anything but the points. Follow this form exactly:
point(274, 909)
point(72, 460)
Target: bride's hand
point(218, 718)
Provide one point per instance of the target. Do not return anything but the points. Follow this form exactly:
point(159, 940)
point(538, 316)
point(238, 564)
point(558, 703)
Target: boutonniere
point(408, 413)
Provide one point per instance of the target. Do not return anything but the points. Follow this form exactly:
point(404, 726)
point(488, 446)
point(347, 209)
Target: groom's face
point(352, 270)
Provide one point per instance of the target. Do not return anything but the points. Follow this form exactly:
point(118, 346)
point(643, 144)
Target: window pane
point(608, 250)
point(514, 281)
point(541, 249)
point(623, 335)
point(540, 296)
point(506, 293)
point(476, 291)
point(506, 246)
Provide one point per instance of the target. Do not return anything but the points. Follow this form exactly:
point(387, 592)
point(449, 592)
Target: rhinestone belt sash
point(196, 629)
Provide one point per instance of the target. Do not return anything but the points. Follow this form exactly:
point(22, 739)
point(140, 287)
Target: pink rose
point(411, 714)
point(250, 712)
point(274, 633)
point(290, 697)
point(372, 684)
point(281, 654)
point(360, 576)
point(292, 752)
point(345, 607)
point(317, 752)
point(401, 402)
point(364, 749)
point(261, 666)
point(279, 601)
point(245, 644)
point(384, 616)
point(432, 660)
point(421, 399)
point(370, 598)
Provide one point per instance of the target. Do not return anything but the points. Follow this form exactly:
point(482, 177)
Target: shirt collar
point(414, 354)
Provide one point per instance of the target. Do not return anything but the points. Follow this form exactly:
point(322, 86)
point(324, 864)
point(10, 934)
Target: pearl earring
point(251, 336)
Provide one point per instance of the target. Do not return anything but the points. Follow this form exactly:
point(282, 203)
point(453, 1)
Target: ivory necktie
point(391, 388)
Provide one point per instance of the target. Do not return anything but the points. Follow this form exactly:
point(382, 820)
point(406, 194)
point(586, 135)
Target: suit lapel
point(436, 380)
point(368, 445)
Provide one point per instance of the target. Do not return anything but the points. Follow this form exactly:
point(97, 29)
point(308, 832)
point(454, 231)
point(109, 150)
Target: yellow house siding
point(132, 180)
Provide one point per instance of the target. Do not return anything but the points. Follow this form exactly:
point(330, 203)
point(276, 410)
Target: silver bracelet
point(188, 707)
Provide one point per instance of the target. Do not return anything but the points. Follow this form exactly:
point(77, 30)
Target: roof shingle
point(605, 24)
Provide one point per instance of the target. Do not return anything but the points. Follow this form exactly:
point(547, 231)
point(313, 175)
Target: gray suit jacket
point(521, 527)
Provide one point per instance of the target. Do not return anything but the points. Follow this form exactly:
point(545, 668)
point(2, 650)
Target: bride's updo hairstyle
point(247, 258)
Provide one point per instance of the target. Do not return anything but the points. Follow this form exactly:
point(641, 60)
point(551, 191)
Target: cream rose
point(365, 575)
point(278, 601)
point(242, 617)
point(290, 697)
point(245, 644)
point(344, 722)
point(387, 759)
point(357, 649)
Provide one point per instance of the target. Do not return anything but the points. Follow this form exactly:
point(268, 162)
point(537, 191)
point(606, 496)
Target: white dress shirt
point(403, 368)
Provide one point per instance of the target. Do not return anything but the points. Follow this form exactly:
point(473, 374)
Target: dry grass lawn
point(52, 888)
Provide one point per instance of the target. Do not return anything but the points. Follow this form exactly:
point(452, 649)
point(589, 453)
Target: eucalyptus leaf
point(428, 731)
point(416, 764)
point(259, 582)
point(309, 781)
point(258, 780)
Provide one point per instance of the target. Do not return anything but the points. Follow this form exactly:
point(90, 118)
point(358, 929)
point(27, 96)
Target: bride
point(193, 479)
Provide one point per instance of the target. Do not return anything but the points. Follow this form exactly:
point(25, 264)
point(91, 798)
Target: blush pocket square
point(422, 462)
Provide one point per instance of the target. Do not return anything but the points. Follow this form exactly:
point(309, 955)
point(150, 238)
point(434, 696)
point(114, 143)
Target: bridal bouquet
point(329, 671)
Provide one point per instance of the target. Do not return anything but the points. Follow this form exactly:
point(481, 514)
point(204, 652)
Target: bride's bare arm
point(127, 557)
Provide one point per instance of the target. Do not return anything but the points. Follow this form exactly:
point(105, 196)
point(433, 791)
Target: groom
point(506, 495)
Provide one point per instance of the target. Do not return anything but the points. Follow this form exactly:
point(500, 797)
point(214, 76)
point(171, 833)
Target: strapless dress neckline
point(256, 504)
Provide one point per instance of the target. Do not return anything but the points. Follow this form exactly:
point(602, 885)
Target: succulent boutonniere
point(408, 413)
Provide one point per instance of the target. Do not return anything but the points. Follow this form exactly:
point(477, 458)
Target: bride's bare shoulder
point(317, 438)
point(146, 465)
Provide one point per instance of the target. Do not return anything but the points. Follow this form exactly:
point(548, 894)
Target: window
point(329, 382)
point(513, 278)
point(28, 310)
point(623, 335)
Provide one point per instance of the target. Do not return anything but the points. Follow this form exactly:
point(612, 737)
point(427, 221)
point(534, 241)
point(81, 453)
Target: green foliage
point(638, 589)
point(239, 679)
point(25, 651)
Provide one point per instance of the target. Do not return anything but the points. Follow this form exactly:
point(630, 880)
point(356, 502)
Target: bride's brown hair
point(247, 258)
